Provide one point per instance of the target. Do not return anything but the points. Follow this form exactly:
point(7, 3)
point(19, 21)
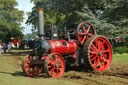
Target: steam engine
point(54, 49)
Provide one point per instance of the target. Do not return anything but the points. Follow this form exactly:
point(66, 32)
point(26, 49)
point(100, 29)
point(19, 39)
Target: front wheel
point(54, 65)
point(98, 53)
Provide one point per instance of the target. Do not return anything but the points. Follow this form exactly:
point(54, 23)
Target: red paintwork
point(56, 65)
point(58, 47)
point(83, 33)
point(103, 61)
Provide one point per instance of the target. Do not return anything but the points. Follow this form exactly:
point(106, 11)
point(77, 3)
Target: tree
point(109, 17)
point(10, 20)
point(116, 13)
point(62, 12)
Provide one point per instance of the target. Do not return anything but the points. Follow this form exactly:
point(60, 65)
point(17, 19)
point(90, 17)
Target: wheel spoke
point(87, 37)
point(83, 40)
point(57, 70)
point(88, 29)
point(93, 52)
point(56, 59)
point(89, 34)
point(93, 58)
point(104, 59)
point(50, 66)
point(82, 34)
point(102, 45)
point(105, 51)
point(51, 70)
point(96, 62)
point(99, 44)
point(104, 55)
point(84, 28)
point(93, 46)
point(102, 65)
point(60, 64)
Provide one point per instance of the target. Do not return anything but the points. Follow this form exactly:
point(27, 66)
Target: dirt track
point(11, 73)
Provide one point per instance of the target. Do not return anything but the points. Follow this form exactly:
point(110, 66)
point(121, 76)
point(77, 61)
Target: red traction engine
point(81, 47)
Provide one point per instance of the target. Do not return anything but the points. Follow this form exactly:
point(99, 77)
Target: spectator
point(9, 47)
point(4, 47)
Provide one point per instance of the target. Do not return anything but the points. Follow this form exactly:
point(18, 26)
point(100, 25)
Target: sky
point(26, 6)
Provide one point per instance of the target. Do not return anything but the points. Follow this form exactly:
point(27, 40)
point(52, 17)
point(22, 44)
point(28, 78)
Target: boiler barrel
point(63, 47)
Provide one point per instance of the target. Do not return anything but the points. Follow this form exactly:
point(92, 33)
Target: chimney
point(41, 21)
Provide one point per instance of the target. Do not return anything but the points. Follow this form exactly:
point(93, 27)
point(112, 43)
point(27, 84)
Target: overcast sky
point(26, 6)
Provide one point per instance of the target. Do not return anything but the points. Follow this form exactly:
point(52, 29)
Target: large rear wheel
point(98, 53)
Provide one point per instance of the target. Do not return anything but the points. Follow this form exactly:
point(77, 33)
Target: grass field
point(11, 72)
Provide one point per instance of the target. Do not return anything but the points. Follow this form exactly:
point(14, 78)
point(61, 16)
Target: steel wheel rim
point(55, 65)
point(29, 68)
point(100, 54)
point(85, 34)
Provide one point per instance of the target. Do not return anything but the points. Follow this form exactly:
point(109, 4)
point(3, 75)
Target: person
point(0, 48)
point(9, 47)
point(4, 47)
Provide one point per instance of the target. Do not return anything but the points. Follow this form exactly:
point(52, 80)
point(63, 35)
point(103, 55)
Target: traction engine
point(81, 47)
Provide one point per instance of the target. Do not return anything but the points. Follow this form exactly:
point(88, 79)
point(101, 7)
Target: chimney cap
point(40, 10)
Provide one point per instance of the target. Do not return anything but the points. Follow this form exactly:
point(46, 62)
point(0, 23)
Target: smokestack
point(41, 21)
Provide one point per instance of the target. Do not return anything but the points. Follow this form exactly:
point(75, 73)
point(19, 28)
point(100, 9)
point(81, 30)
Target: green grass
point(120, 58)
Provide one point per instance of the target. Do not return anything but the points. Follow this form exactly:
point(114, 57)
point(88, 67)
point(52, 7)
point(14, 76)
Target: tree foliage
point(116, 13)
point(109, 17)
point(58, 12)
point(10, 20)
